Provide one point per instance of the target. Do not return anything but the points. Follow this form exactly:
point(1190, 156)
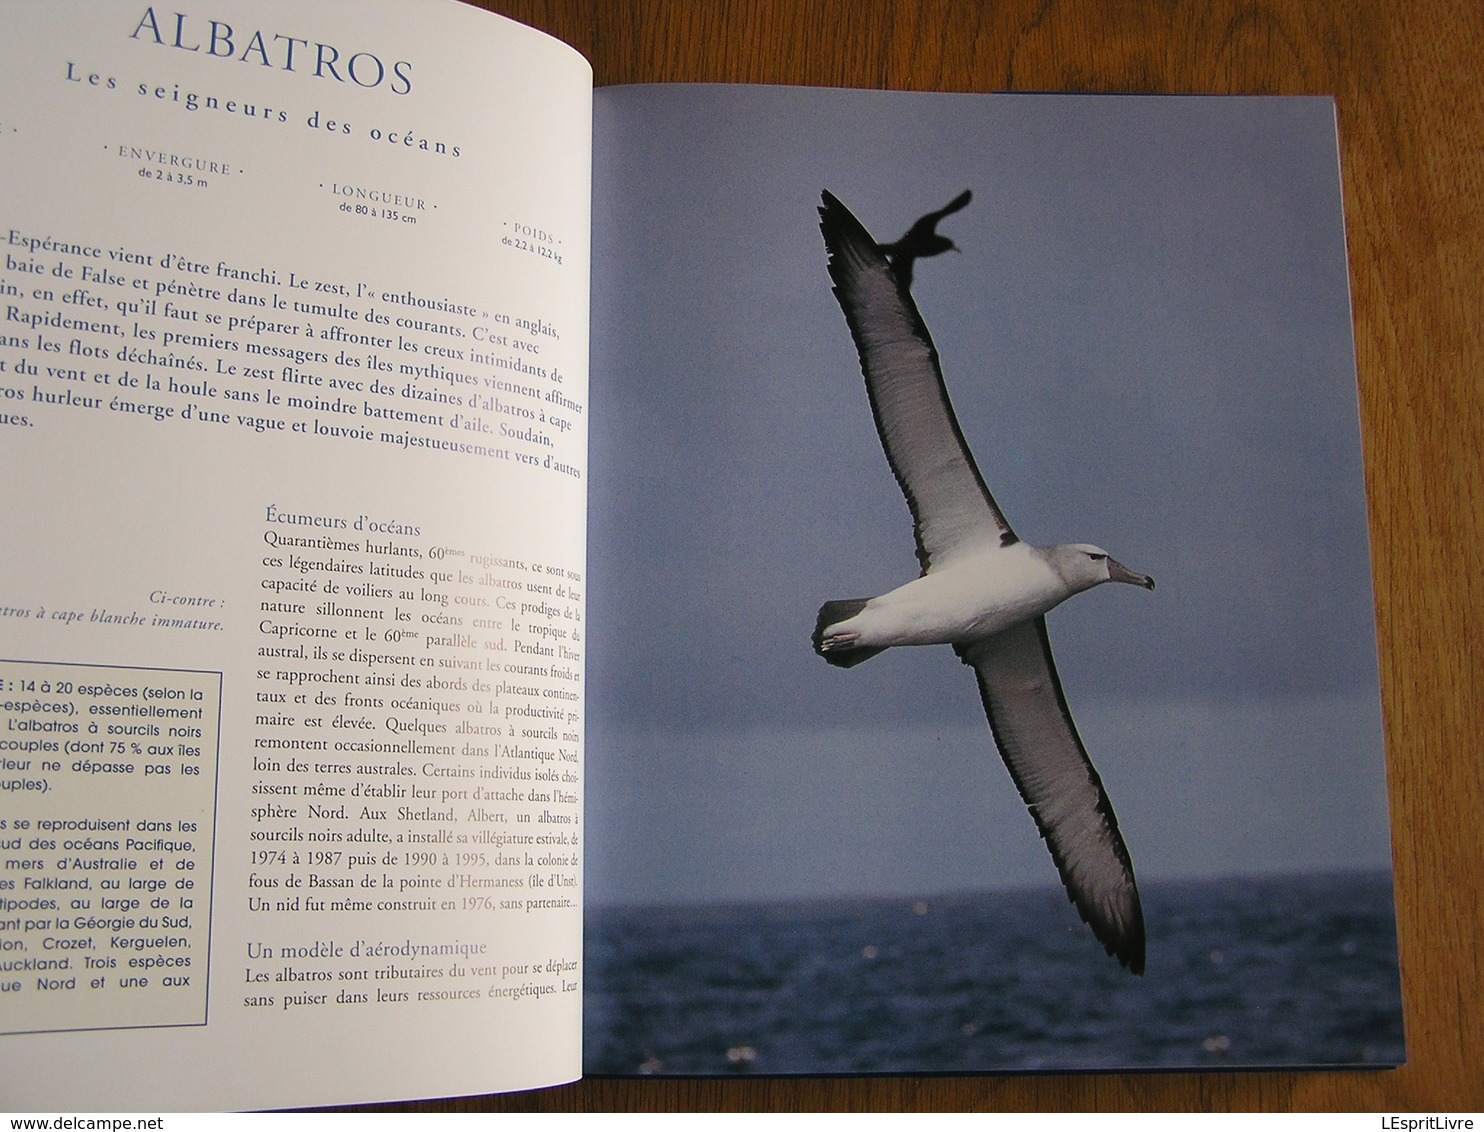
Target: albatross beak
point(1118, 572)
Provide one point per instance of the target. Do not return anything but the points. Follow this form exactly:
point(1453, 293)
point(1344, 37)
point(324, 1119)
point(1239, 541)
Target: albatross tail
point(841, 651)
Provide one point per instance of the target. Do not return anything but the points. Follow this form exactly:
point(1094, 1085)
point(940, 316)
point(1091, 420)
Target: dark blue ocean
point(1294, 970)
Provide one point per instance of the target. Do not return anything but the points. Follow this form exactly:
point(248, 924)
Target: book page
point(293, 396)
point(1144, 334)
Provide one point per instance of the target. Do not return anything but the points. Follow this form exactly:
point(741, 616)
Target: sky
point(1147, 340)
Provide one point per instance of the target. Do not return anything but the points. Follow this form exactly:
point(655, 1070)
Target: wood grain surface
point(1409, 81)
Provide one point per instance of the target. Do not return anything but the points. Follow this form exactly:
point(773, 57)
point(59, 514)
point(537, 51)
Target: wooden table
point(1409, 80)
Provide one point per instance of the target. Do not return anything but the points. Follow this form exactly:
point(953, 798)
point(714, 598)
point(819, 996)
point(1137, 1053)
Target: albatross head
point(1082, 566)
point(937, 245)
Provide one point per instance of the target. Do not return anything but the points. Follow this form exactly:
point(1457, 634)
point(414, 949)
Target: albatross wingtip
point(1131, 952)
point(1118, 926)
point(834, 215)
point(829, 204)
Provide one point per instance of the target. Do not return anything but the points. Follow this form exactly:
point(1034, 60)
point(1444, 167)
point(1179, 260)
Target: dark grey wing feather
point(1034, 732)
point(952, 509)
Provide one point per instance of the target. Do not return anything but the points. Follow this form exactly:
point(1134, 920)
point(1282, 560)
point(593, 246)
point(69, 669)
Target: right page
point(1140, 338)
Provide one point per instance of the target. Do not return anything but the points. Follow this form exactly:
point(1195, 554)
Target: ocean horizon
point(1243, 972)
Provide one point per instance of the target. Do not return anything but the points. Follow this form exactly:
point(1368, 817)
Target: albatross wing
point(952, 509)
point(1034, 732)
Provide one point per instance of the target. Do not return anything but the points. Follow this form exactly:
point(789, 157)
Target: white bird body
point(981, 590)
point(975, 596)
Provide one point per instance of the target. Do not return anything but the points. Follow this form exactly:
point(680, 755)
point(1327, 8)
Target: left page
point(293, 348)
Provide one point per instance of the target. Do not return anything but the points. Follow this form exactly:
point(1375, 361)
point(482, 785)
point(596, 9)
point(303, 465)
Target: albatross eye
point(1096, 557)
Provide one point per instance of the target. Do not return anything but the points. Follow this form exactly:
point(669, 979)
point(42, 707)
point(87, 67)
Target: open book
point(392, 711)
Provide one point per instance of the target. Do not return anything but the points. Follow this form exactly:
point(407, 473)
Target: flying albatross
point(922, 240)
point(981, 589)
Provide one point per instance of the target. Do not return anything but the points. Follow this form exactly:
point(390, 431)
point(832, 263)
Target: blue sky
point(1147, 340)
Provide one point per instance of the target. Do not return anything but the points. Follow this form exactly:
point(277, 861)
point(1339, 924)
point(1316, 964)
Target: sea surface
point(1270, 971)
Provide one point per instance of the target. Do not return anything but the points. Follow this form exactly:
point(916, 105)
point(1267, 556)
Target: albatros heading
point(981, 589)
